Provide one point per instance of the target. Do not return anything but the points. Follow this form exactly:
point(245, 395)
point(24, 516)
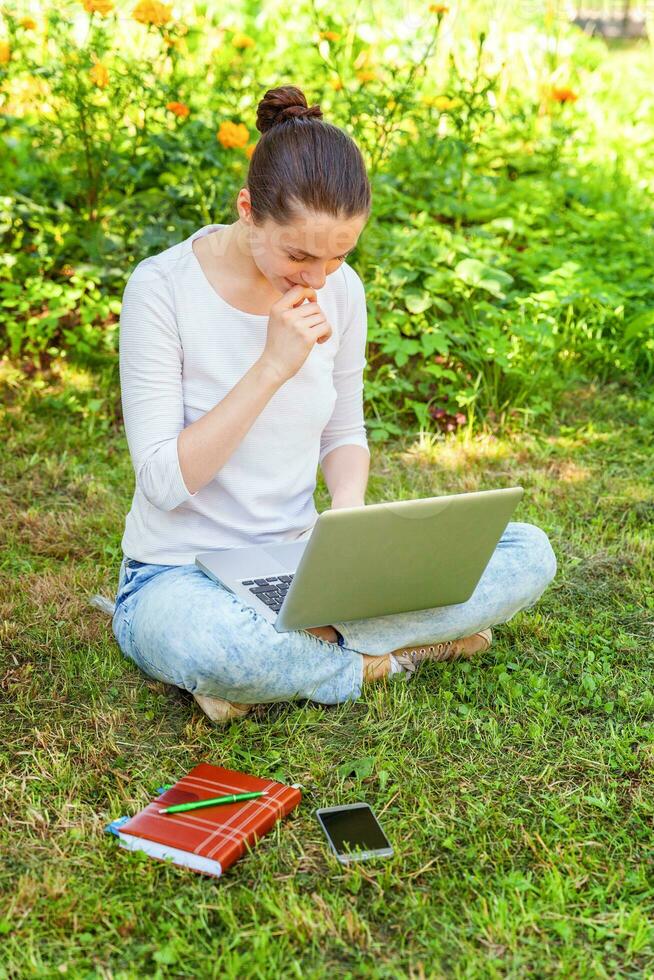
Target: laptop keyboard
point(271, 590)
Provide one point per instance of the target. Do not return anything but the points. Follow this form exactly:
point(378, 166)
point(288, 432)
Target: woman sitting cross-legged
point(242, 350)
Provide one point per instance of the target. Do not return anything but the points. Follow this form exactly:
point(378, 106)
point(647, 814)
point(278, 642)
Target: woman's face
point(305, 251)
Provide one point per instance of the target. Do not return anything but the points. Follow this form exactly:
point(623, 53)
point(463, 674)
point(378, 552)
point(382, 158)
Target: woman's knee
point(540, 561)
point(176, 621)
point(196, 635)
point(188, 631)
point(247, 660)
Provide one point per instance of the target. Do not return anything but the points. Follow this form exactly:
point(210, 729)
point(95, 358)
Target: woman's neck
point(231, 245)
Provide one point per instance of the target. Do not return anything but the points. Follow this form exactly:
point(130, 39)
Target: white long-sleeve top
point(182, 349)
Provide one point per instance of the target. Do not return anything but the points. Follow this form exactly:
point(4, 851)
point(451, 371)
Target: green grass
point(517, 790)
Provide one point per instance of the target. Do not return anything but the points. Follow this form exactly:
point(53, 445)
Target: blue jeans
point(181, 627)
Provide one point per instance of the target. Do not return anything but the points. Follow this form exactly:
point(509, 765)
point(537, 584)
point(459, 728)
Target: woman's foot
point(410, 658)
point(375, 668)
point(221, 711)
point(327, 633)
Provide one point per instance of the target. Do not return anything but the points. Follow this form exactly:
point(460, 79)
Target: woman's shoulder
point(354, 290)
point(158, 270)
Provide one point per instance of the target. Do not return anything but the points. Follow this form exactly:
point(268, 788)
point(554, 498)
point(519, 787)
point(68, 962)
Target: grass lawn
point(517, 790)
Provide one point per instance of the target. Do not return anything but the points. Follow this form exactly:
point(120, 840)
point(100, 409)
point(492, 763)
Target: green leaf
point(482, 276)
point(597, 801)
point(442, 304)
point(167, 955)
point(434, 342)
point(358, 767)
point(401, 275)
point(417, 302)
point(638, 324)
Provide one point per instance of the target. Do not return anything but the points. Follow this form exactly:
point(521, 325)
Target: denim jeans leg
point(183, 628)
point(132, 576)
point(519, 570)
point(179, 626)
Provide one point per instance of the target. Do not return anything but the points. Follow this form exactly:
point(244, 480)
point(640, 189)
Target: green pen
point(216, 801)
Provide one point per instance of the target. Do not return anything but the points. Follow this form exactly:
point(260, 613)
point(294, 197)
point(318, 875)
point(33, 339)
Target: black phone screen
point(354, 829)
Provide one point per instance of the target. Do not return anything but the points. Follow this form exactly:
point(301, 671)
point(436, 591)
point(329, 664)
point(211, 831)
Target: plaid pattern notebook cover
point(208, 840)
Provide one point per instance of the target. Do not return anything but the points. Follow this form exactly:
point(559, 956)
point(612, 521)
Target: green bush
point(509, 249)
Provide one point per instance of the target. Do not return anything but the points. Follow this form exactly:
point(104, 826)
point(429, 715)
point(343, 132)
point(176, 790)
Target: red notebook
point(208, 840)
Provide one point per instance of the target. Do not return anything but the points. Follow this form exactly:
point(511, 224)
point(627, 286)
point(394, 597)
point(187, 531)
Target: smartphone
point(353, 832)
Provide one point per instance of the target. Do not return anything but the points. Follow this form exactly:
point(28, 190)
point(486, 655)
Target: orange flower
point(102, 7)
point(249, 150)
point(563, 95)
point(336, 84)
point(438, 8)
point(179, 109)
point(99, 75)
point(232, 135)
point(152, 12)
point(366, 76)
point(27, 23)
point(330, 35)
point(243, 41)
point(5, 53)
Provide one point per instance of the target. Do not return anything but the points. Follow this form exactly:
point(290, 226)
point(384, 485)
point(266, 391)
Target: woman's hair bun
point(281, 104)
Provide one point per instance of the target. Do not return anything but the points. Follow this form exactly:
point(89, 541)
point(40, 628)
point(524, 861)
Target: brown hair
point(302, 160)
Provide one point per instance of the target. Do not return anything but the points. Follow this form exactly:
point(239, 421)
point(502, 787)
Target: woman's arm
point(173, 463)
point(344, 454)
point(346, 475)
point(206, 445)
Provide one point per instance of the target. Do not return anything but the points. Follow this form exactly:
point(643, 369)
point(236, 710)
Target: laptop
point(375, 560)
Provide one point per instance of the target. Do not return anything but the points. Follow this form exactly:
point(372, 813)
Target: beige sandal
point(221, 711)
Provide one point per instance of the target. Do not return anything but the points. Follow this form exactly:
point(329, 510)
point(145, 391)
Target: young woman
point(242, 351)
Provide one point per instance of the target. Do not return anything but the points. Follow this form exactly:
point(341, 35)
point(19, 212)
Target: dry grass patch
point(52, 534)
point(60, 596)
